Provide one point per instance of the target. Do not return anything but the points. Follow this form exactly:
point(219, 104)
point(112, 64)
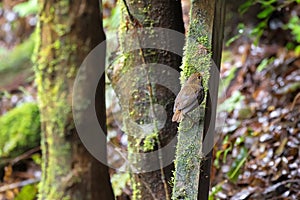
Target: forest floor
point(257, 153)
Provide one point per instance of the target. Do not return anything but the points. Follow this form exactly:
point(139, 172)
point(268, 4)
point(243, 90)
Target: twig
point(25, 155)
point(295, 100)
point(19, 184)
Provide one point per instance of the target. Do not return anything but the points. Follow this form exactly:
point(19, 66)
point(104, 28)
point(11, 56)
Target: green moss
point(149, 142)
point(28, 192)
point(20, 130)
point(197, 58)
point(136, 192)
point(54, 81)
point(119, 182)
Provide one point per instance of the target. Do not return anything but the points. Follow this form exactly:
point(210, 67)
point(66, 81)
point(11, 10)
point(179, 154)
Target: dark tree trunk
point(211, 106)
point(136, 14)
point(68, 31)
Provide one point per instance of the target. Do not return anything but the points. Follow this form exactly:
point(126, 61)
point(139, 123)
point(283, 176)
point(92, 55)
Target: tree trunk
point(67, 32)
point(211, 106)
point(197, 58)
point(137, 94)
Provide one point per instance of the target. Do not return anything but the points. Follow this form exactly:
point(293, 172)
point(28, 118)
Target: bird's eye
point(199, 77)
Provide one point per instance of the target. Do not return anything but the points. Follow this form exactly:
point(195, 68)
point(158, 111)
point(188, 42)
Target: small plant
point(294, 26)
point(268, 8)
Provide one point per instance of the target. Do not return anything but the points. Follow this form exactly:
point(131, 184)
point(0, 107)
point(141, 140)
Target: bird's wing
point(186, 96)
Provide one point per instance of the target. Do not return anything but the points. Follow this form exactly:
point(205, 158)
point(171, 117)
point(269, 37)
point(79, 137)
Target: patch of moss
point(28, 192)
point(19, 130)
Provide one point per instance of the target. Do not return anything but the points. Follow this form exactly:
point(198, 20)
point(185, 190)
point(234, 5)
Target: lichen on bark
point(67, 32)
point(197, 58)
point(138, 96)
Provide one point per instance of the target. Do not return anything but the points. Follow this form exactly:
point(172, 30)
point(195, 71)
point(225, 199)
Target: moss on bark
point(197, 58)
point(67, 32)
point(137, 95)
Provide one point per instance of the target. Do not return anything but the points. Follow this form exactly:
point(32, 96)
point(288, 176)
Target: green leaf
point(28, 192)
point(239, 140)
point(294, 26)
point(245, 6)
point(258, 31)
point(297, 50)
point(266, 3)
point(215, 190)
point(264, 63)
point(26, 8)
point(238, 164)
point(230, 103)
point(266, 12)
point(228, 79)
point(226, 153)
point(231, 40)
point(241, 30)
point(112, 23)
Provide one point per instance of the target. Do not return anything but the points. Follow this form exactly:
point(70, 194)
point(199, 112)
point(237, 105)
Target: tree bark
point(138, 14)
point(211, 106)
point(68, 31)
point(190, 150)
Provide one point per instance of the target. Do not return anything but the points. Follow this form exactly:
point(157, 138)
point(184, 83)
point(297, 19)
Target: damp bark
point(197, 58)
point(67, 32)
point(138, 95)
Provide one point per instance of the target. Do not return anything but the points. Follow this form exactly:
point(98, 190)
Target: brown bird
point(190, 96)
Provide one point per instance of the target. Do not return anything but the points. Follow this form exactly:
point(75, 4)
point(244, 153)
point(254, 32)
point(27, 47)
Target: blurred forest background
point(258, 153)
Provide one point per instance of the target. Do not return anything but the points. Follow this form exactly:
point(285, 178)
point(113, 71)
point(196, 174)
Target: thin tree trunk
point(68, 30)
point(211, 106)
point(197, 58)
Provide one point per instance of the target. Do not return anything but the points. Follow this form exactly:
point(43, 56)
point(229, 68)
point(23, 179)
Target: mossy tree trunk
point(67, 30)
point(147, 15)
point(200, 47)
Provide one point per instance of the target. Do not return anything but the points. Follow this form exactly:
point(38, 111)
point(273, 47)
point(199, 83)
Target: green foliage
point(112, 23)
point(294, 26)
point(19, 130)
point(17, 61)
point(231, 103)
point(28, 192)
point(19, 56)
point(37, 158)
point(264, 63)
point(239, 162)
point(268, 7)
point(241, 30)
point(150, 142)
point(226, 81)
point(265, 4)
point(26, 8)
point(119, 182)
point(215, 190)
point(223, 152)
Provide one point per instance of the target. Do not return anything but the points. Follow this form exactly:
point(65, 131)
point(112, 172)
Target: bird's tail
point(177, 117)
